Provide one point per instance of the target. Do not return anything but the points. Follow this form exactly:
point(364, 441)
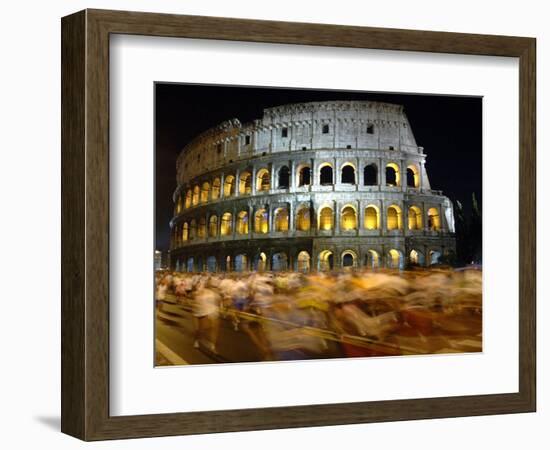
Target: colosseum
point(309, 186)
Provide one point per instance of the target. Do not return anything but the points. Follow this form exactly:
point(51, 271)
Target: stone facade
point(310, 186)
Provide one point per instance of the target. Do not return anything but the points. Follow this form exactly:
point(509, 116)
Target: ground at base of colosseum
point(266, 316)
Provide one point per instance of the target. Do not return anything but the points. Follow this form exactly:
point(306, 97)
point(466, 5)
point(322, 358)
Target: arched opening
point(416, 258)
point(241, 263)
point(370, 175)
point(303, 219)
point(415, 218)
point(202, 228)
point(372, 259)
point(196, 195)
point(229, 186)
point(242, 222)
point(372, 218)
point(213, 226)
point(348, 218)
point(304, 176)
point(188, 196)
point(245, 183)
point(413, 179)
point(348, 174)
point(261, 223)
point(326, 261)
point(435, 256)
point(192, 229)
point(279, 262)
point(216, 186)
point(179, 205)
point(434, 220)
point(263, 182)
point(281, 219)
point(326, 219)
point(395, 259)
point(349, 259)
point(211, 264)
point(261, 264)
point(284, 178)
point(205, 192)
point(325, 175)
point(190, 264)
point(226, 226)
point(303, 261)
point(228, 267)
point(394, 218)
point(392, 174)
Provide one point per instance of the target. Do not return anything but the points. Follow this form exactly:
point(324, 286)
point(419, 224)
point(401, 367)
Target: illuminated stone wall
point(344, 182)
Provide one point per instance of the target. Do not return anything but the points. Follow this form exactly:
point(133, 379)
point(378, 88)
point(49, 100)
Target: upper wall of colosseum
point(295, 127)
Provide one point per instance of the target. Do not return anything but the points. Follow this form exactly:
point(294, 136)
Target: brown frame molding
point(85, 224)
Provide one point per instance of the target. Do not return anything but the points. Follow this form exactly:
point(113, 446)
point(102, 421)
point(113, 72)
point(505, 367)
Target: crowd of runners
point(361, 313)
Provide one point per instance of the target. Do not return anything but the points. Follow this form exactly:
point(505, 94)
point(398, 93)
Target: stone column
point(270, 219)
point(291, 211)
point(222, 182)
point(314, 174)
point(233, 223)
point(237, 182)
point(250, 220)
point(336, 228)
point(274, 182)
point(383, 218)
point(381, 173)
point(292, 182)
point(403, 167)
point(253, 181)
point(360, 216)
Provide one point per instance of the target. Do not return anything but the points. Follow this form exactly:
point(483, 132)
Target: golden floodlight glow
point(326, 219)
point(229, 186)
point(242, 222)
point(303, 220)
point(349, 219)
point(372, 219)
point(261, 224)
point(225, 228)
point(434, 220)
point(281, 219)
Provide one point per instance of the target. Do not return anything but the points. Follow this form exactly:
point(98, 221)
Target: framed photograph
point(271, 224)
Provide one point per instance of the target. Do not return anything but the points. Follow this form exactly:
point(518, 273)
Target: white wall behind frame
point(30, 145)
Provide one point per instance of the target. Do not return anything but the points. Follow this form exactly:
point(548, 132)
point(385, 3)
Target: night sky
point(448, 127)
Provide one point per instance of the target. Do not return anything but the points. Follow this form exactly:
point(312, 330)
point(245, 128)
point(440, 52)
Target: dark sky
point(448, 127)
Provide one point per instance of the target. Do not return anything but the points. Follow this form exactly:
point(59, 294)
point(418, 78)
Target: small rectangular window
point(348, 146)
point(391, 147)
point(219, 148)
point(284, 132)
point(304, 148)
point(370, 129)
point(325, 129)
point(247, 140)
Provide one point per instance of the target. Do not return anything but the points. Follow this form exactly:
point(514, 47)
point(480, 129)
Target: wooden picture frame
point(85, 224)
